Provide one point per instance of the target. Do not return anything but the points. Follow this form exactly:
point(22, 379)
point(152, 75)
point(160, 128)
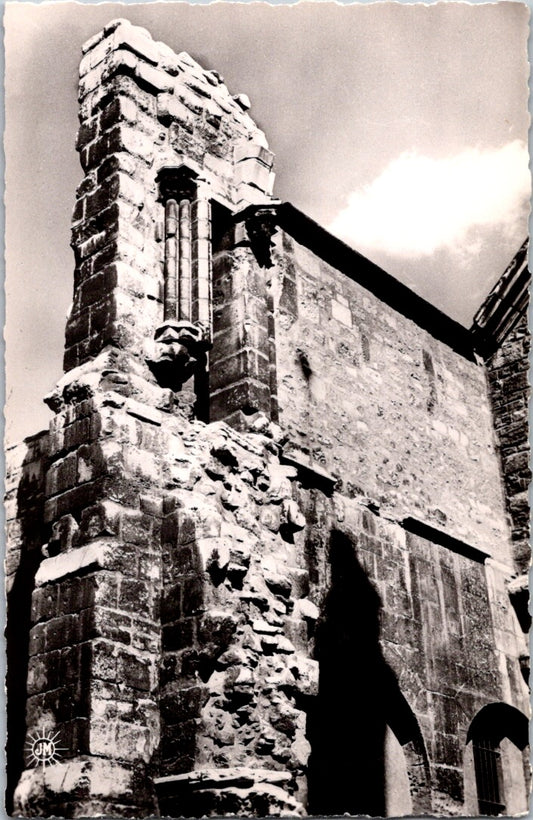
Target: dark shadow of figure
point(358, 696)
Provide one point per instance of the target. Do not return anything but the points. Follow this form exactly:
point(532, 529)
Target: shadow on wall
point(367, 754)
point(30, 501)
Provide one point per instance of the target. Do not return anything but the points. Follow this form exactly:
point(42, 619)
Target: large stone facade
point(260, 562)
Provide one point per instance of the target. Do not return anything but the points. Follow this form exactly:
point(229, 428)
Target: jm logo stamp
point(42, 748)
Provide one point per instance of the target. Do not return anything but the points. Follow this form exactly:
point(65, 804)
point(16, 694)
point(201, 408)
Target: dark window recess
point(430, 370)
point(488, 768)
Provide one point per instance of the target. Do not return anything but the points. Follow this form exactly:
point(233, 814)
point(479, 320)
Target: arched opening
point(497, 762)
point(367, 752)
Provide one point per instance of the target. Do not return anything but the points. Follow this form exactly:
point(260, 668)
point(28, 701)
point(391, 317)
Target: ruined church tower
point(259, 563)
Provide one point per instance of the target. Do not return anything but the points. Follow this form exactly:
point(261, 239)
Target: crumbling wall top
point(206, 123)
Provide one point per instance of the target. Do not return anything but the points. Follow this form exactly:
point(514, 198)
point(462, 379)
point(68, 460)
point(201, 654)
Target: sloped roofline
point(389, 290)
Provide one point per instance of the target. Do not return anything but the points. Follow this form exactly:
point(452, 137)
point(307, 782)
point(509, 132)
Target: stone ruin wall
point(194, 575)
point(405, 425)
point(508, 378)
point(409, 424)
point(174, 618)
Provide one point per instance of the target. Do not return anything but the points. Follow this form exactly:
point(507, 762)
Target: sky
point(400, 128)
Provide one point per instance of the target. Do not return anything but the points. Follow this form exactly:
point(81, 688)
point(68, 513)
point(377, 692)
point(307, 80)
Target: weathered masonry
point(263, 561)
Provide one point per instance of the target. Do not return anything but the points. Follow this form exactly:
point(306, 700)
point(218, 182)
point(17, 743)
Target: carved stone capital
point(177, 182)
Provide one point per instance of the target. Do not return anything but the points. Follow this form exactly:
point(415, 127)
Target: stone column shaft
point(172, 260)
point(202, 267)
point(185, 260)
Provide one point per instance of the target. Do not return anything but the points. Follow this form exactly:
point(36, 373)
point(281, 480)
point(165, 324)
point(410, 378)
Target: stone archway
point(496, 763)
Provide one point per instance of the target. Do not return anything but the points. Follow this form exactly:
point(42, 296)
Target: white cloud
point(418, 204)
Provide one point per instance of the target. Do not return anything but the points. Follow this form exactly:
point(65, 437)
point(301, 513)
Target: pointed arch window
point(499, 736)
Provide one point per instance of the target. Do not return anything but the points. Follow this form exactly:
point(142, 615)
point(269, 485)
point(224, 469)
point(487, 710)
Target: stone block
point(103, 314)
point(231, 339)
point(45, 603)
point(42, 674)
point(93, 41)
point(80, 432)
point(218, 628)
point(185, 560)
point(117, 186)
point(153, 79)
point(178, 747)
point(246, 194)
point(86, 133)
point(69, 666)
point(121, 61)
point(71, 501)
point(119, 162)
point(254, 173)
point(235, 313)
point(244, 364)
point(148, 641)
point(61, 475)
point(74, 737)
point(139, 41)
point(75, 594)
point(135, 596)
point(112, 625)
point(90, 463)
point(171, 109)
point(248, 396)
point(143, 411)
point(306, 609)
point(214, 553)
point(103, 661)
point(120, 740)
point(252, 149)
point(136, 529)
point(182, 705)
point(102, 519)
point(270, 517)
point(61, 631)
point(37, 639)
point(178, 635)
point(123, 137)
point(127, 86)
point(288, 300)
point(171, 530)
point(11, 564)
point(83, 249)
point(193, 596)
point(92, 81)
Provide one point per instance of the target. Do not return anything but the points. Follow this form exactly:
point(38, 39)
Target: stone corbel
point(178, 352)
point(261, 225)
